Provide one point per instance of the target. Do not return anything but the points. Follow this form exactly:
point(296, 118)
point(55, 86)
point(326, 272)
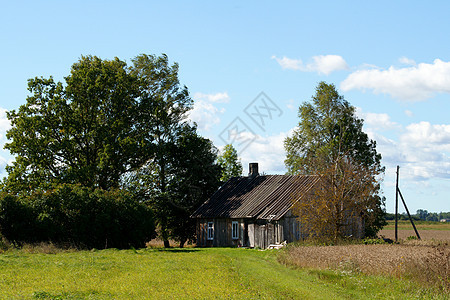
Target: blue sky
point(390, 59)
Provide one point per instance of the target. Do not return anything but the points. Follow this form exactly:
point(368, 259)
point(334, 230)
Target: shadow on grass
point(177, 250)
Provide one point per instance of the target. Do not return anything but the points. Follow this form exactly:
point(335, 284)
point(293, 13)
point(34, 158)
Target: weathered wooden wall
point(222, 233)
point(261, 233)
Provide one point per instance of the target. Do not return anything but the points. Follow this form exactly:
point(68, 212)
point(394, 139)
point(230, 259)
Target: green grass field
point(189, 273)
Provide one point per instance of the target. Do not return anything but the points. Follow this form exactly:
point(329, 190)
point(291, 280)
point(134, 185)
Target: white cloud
point(422, 150)
point(327, 63)
point(268, 152)
point(413, 83)
point(322, 64)
point(215, 98)
point(290, 104)
point(205, 114)
point(427, 136)
point(5, 125)
point(289, 63)
point(375, 120)
point(407, 61)
point(4, 122)
point(409, 113)
point(3, 162)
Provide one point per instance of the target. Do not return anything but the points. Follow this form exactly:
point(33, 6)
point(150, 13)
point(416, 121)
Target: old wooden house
point(253, 211)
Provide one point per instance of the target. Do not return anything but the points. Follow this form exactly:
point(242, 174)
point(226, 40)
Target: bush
point(369, 241)
point(79, 216)
point(17, 219)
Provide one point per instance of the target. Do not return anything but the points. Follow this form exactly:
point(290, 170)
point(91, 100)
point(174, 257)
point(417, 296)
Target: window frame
point(235, 232)
point(210, 231)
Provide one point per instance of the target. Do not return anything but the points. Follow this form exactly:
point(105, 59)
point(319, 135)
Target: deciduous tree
point(343, 200)
point(329, 142)
point(106, 121)
point(231, 165)
point(191, 175)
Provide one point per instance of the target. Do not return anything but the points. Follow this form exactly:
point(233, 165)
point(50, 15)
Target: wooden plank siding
point(222, 233)
point(252, 233)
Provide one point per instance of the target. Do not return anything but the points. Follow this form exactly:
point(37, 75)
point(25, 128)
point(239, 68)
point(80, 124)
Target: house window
point(210, 230)
point(235, 230)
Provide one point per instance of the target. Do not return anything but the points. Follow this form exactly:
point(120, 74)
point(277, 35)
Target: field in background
point(427, 230)
point(421, 225)
point(224, 273)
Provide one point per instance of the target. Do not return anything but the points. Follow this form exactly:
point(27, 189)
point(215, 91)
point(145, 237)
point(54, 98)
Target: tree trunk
point(182, 242)
point(166, 244)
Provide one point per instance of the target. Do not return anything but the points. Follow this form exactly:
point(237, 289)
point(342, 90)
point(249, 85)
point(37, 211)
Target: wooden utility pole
point(409, 215)
point(396, 205)
point(397, 192)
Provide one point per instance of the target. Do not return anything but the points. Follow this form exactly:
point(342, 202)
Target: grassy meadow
point(189, 273)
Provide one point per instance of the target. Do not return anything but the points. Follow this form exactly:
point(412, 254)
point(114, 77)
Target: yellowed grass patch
point(418, 260)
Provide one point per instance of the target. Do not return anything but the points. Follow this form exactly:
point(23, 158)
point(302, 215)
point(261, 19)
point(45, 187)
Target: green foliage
point(421, 215)
point(195, 178)
point(373, 241)
point(328, 142)
point(178, 183)
point(81, 132)
point(375, 216)
point(77, 215)
point(327, 129)
point(106, 120)
point(231, 165)
point(430, 216)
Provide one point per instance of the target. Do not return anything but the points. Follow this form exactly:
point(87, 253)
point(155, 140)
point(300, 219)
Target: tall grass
point(427, 263)
point(433, 268)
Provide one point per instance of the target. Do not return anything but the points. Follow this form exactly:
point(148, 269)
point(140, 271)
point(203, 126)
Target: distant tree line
point(421, 214)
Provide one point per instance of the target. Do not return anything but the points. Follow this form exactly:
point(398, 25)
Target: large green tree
point(190, 176)
point(195, 177)
point(231, 165)
point(164, 102)
point(329, 140)
point(106, 121)
point(83, 131)
point(328, 128)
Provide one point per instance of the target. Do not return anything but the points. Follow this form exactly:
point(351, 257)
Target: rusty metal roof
point(262, 197)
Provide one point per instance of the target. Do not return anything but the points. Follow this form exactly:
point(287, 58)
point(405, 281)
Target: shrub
point(77, 215)
point(17, 219)
point(4, 245)
point(368, 241)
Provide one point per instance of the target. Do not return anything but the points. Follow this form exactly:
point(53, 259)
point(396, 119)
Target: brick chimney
point(252, 170)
